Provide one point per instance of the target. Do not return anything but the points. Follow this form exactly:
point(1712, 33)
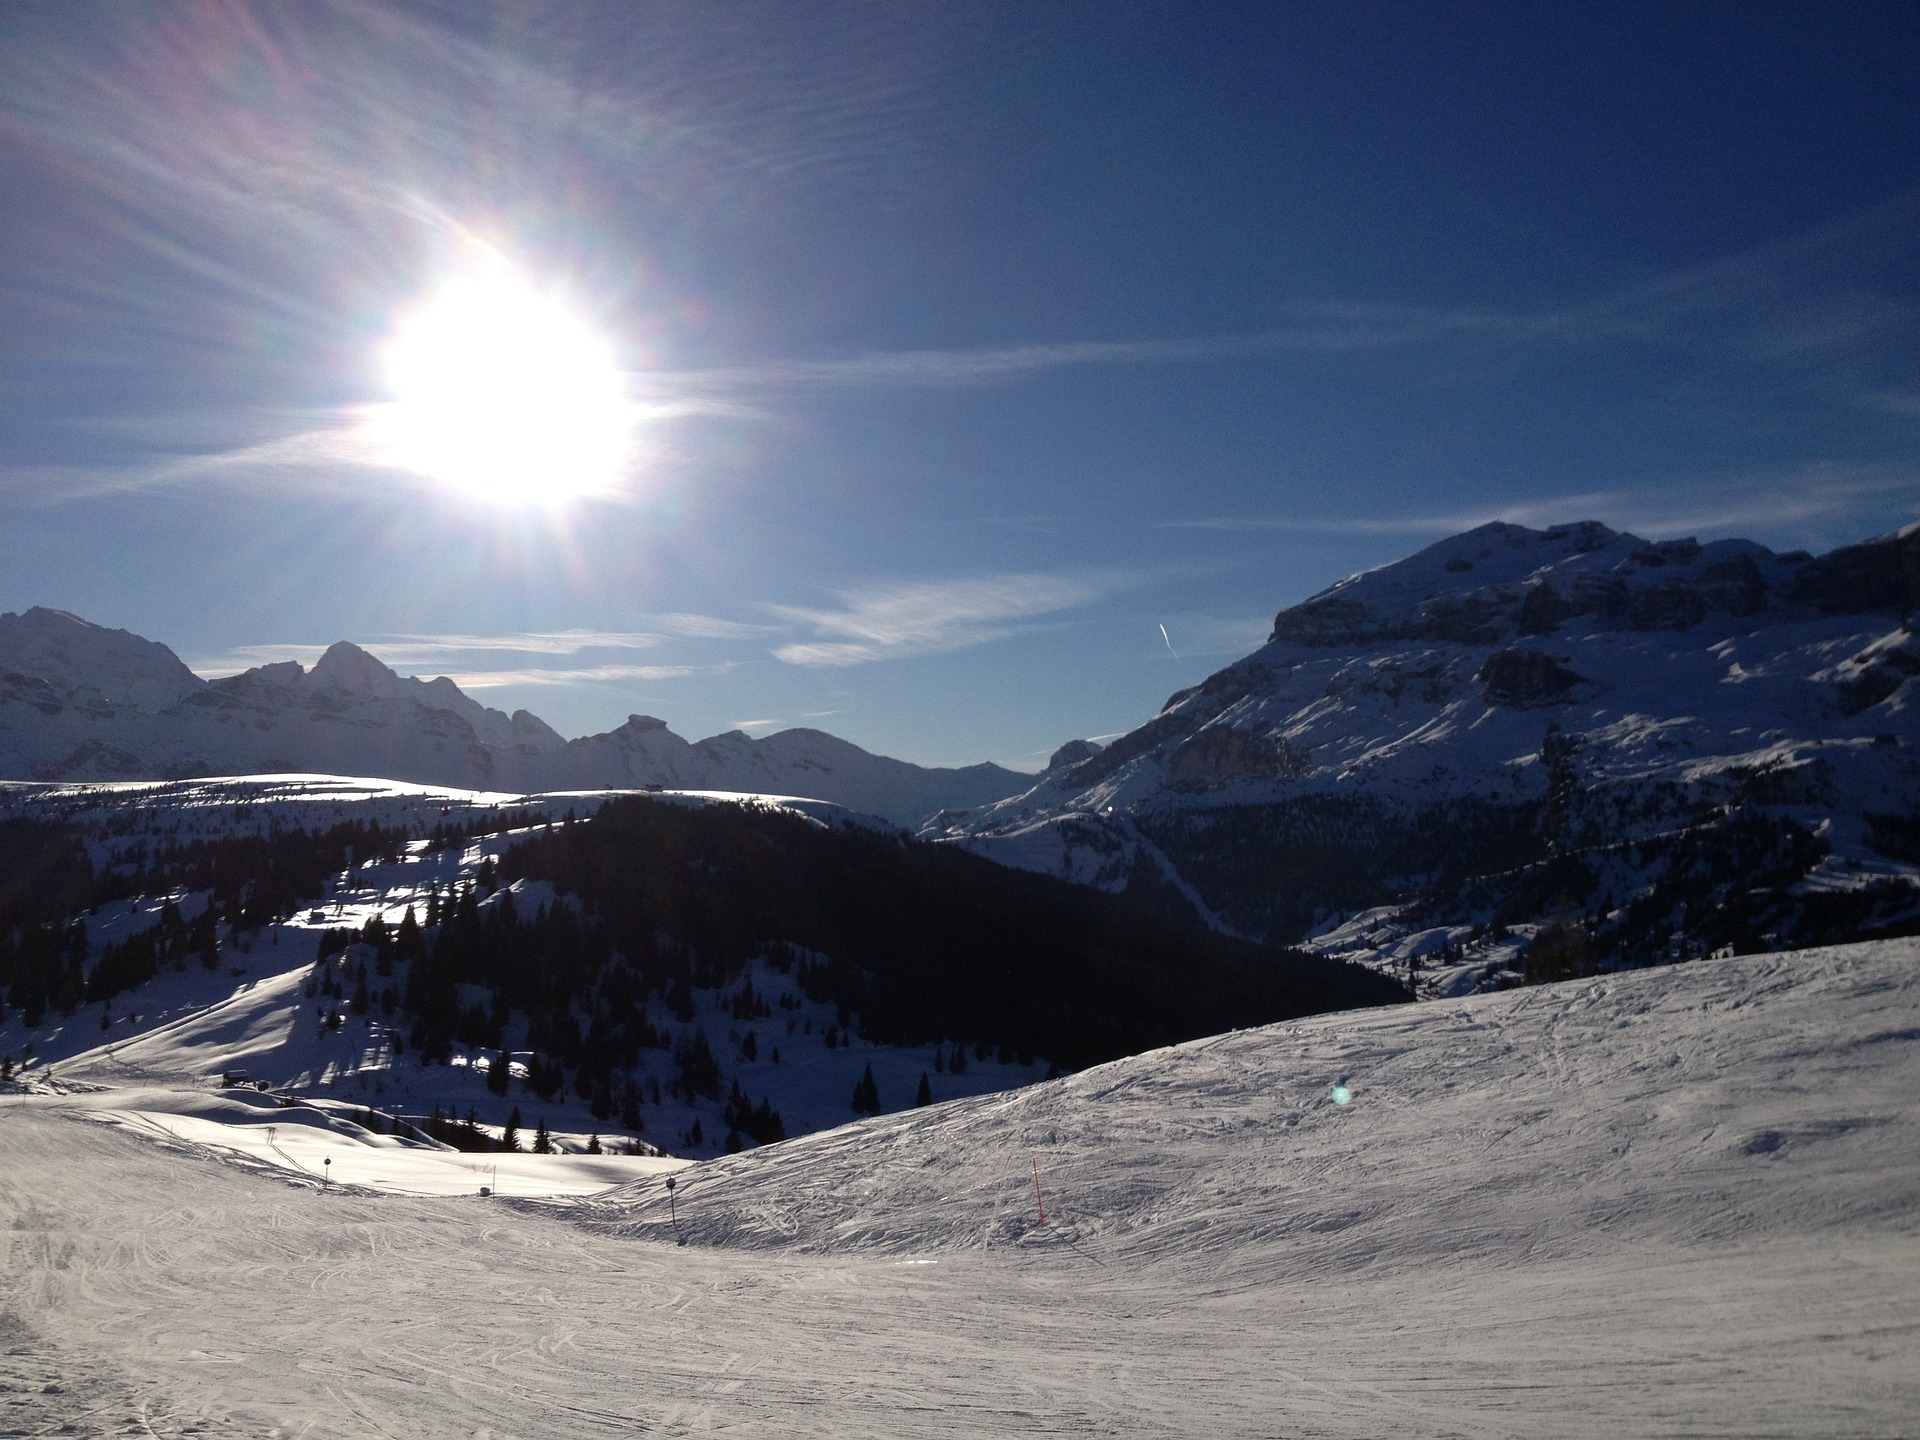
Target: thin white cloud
point(1321, 328)
point(557, 657)
point(165, 114)
point(325, 458)
point(580, 675)
point(539, 642)
point(1893, 402)
point(334, 456)
point(1774, 300)
point(931, 617)
point(685, 626)
point(1710, 504)
point(248, 657)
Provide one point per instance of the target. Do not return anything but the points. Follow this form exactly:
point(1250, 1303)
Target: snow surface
point(254, 1013)
point(1679, 1201)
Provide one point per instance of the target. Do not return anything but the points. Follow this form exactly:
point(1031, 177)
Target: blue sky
point(971, 344)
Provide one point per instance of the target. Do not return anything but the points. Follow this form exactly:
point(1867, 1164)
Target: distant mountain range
point(1515, 754)
point(1635, 750)
point(81, 702)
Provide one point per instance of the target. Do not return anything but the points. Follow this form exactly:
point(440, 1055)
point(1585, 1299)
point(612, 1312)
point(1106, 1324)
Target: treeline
point(921, 942)
point(911, 943)
point(1618, 874)
point(1277, 869)
point(253, 879)
point(1725, 880)
point(48, 884)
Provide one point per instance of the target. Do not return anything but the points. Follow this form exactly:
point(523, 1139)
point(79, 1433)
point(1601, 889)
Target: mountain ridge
point(1440, 740)
point(80, 701)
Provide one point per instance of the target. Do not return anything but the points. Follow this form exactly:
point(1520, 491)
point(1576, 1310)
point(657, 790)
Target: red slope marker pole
point(1040, 1204)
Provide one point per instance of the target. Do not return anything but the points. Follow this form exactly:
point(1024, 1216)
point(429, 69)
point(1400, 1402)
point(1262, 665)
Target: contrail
point(1170, 650)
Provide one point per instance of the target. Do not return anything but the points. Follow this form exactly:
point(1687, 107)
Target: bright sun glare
point(502, 394)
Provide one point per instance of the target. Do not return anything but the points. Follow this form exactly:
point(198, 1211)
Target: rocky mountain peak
point(1501, 581)
point(1072, 753)
point(71, 655)
point(81, 702)
point(347, 667)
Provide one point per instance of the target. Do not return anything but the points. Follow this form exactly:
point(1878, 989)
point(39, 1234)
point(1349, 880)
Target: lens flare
point(502, 394)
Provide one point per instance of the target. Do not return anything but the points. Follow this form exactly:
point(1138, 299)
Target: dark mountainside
point(914, 943)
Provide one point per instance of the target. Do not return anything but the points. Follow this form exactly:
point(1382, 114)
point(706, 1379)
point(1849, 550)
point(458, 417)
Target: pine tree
point(866, 1094)
point(593, 1145)
point(499, 1071)
point(510, 1137)
point(924, 1095)
point(630, 1105)
point(542, 1142)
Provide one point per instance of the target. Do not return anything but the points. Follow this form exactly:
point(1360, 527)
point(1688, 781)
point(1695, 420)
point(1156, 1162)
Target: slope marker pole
point(1039, 1204)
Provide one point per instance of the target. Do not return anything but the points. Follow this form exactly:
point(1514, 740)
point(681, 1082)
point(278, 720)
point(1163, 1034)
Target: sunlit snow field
point(1679, 1201)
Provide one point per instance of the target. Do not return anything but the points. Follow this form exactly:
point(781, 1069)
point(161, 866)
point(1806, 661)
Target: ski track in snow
point(1679, 1201)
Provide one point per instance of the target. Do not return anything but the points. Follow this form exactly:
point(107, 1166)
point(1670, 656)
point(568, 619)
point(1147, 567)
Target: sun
point(502, 394)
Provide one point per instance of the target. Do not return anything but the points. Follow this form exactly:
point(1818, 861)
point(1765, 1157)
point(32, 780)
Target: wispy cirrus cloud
point(1319, 329)
point(577, 675)
point(324, 457)
point(418, 652)
point(1786, 496)
point(540, 658)
point(333, 454)
point(932, 617)
point(1776, 300)
point(686, 626)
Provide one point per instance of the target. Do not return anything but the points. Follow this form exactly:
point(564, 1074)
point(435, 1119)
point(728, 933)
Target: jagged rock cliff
point(1514, 725)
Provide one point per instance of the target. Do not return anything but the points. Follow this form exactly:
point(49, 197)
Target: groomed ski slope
point(1674, 1202)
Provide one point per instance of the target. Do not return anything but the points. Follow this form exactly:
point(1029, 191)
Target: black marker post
point(679, 1239)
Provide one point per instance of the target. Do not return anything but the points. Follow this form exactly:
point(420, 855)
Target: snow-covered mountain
point(1657, 748)
point(79, 701)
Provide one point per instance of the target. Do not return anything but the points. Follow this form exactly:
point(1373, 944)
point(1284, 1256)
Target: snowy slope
point(262, 1007)
point(1673, 1202)
point(1502, 699)
point(81, 702)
